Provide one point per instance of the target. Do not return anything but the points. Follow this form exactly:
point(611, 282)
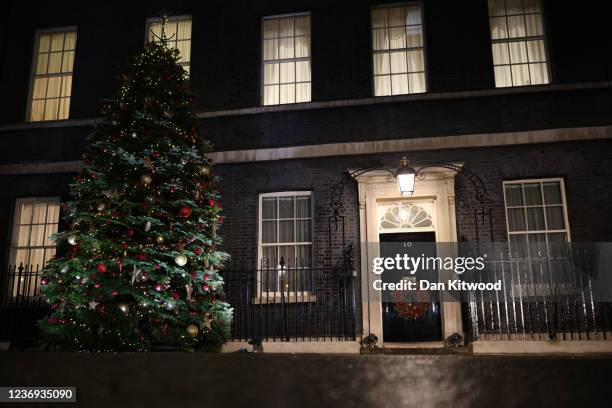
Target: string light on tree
point(127, 282)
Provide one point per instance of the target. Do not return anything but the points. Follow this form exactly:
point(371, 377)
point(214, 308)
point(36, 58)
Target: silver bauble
point(180, 260)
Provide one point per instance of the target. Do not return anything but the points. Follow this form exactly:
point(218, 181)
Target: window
point(36, 219)
point(397, 47)
point(286, 59)
point(518, 42)
point(285, 234)
point(178, 33)
point(52, 75)
point(536, 216)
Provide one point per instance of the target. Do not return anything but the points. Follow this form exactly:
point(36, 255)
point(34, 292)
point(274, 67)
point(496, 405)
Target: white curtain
point(398, 57)
point(286, 38)
point(32, 244)
point(52, 81)
point(518, 62)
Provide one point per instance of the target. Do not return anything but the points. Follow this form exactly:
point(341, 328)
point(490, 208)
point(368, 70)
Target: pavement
point(312, 380)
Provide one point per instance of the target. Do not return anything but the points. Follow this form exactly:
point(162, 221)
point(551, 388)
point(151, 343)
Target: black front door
point(404, 318)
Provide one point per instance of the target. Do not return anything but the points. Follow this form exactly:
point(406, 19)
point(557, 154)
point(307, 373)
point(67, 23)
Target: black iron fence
point(286, 303)
point(20, 304)
point(541, 298)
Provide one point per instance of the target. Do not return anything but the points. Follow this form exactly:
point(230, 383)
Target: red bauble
point(114, 293)
point(185, 212)
point(175, 296)
point(198, 251)
point(206, 278)
point(211, 202)
point(130, 233)
point(205, 288)
point(124, 245)
point(101, 268)
point(97, 286)
point(156, 154)
point(158, 287)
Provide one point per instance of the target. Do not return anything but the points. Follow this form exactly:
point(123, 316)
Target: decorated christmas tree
point(138, 264)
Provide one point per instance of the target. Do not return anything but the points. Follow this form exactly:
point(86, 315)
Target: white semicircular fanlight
point(406, 215)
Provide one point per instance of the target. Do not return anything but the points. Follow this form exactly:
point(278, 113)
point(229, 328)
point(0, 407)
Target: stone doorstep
point(556, 347)
point(476, 348)
point(315, 347)
point(462, 350)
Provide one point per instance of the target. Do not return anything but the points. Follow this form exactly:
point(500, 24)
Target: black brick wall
point(226, 74)
point(583, 166)
point(226, 47)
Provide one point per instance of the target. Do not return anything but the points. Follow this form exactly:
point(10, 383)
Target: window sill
point(290, 297)
point(374, 100)
point(422, 96)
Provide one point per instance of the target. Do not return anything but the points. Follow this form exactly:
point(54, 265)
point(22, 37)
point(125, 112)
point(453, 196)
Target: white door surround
point(435, 190)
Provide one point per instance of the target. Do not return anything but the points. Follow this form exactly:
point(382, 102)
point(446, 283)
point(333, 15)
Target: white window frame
point(509, 40)
point(14, 247)
point(561, 182)
point(33, 75)
point(423, 48)
point(561, 287)
point(274, 296)
point(279, 61)
point(176, 18)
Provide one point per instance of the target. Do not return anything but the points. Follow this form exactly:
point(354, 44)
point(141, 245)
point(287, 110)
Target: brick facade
point(225, 73)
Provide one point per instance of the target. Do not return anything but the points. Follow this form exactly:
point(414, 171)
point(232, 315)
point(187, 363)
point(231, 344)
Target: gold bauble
point(146, 179)
point(205, 170)
point(101, 207)
point(159, 239)
point(123, 307)
point(192, 330)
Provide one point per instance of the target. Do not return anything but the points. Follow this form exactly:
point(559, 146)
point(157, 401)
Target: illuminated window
point(397, 47)
point(518, 42)
point(52, 75)
point(286, 59)
point(36, 219)
point(178, 33)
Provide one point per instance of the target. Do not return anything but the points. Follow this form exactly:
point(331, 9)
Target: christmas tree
point(138, 264)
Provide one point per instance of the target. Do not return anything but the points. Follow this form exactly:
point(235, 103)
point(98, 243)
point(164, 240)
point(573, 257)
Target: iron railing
point(542, 298)
point(286, 303)
point(20, 304)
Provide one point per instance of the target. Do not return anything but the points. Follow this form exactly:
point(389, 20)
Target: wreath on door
point(408, 309)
